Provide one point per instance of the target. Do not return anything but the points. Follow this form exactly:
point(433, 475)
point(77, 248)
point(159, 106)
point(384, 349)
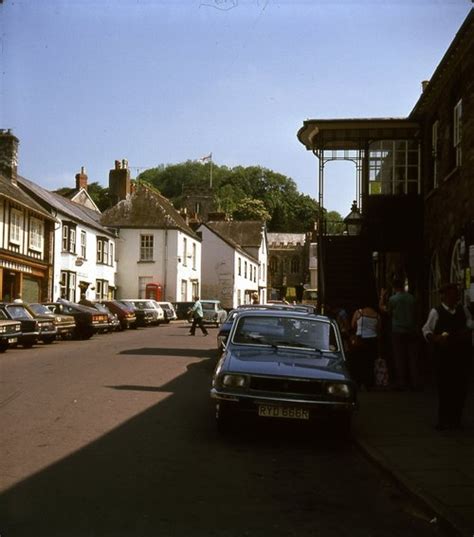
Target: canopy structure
point(350, 139)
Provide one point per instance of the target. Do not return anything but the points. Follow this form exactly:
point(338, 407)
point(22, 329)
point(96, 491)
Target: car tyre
point(49, 340)
point(3, 347)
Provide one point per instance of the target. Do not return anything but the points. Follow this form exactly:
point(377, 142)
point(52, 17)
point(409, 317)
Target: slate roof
point(229, 240)
point(74, 211)
point(16, 194)
point(146, 208)
point(248, 233)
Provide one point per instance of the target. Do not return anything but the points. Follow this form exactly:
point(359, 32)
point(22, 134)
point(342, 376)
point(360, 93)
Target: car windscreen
point(40, 309)
point(285, 331)
point(3, 316)
point(19, 312)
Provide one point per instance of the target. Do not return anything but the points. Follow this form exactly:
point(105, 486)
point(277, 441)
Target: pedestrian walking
point(449, 330)
point(401, 308)
point(197, 314)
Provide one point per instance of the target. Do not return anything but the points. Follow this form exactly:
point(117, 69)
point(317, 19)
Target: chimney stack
point(119, 182)
point(424, 85)
point(81, 179)
point(9, 155)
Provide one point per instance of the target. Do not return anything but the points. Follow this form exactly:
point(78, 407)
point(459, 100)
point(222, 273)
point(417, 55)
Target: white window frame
point(100, 250)
point(16, 222)
point(111, 254)
point(457, 132)
point(65, 241)
point(83, 244)
point(185, 251)
point(36, 235)
point(194, 255)
point(147, 245)
point(72, 241)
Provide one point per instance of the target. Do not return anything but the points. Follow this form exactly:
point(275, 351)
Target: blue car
point(283, 365)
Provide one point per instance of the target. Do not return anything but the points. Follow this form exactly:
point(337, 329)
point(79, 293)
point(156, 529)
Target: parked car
point(168, 310)
point(153, 315)
point(213, 312)
point(283, 365)
point(33, 328)
point(125, 314)
point(10, 331)
point(112, 319)
point(182, 310)
point(65, 324)
point(88, 320)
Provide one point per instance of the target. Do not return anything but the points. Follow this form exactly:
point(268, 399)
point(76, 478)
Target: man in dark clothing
point(198, 316)
point(449, 329)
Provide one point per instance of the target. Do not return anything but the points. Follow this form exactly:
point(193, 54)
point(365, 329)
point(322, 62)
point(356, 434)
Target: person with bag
point(449, 330)
point(364, 345)
point(196, 312)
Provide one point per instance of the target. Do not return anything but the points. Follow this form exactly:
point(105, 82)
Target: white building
point(84, 250)
point(234, 265)
point(160, 255)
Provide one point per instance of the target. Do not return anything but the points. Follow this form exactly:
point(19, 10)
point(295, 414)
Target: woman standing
point(366, 327)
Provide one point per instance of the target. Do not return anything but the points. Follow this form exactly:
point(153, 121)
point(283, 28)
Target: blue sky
point(87, 82)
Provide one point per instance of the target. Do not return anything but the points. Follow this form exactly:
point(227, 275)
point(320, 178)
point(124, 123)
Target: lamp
point(353, 220)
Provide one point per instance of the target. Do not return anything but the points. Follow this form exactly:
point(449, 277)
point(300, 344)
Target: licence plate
point(12, 340)
point(270, 411)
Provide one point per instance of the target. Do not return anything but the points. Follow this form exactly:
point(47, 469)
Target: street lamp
point(353, 220)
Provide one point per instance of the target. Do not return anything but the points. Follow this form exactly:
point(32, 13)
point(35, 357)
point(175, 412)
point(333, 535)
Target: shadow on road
point(165, 351)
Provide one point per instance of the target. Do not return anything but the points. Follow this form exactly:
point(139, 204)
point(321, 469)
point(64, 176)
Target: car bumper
point(250, 403)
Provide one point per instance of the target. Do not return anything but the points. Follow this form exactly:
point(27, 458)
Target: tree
point(251, 209)
point(278, 198)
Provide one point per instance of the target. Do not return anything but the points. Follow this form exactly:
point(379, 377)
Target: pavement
point(396, 430)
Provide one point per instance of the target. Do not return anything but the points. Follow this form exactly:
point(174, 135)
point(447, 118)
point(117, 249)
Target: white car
point(148, 305)
point(169, 311)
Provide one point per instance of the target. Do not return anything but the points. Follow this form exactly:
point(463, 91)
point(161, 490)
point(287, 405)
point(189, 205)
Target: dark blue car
point(283, 365)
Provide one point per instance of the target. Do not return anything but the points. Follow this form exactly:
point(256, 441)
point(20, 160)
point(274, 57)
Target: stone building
point(445, 112)
point(288, 265)
point(415, 190)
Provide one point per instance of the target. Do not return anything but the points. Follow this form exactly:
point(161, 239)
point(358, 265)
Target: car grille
point(290, 386)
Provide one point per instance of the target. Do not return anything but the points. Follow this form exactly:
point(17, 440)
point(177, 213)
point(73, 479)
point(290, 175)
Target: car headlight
point(339, 390)
point(3, 329)
point(234, 381)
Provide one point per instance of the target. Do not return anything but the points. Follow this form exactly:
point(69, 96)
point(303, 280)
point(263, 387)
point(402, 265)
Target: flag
point(207, 157)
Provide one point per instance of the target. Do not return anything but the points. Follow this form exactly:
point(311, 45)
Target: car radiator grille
point(294, 386)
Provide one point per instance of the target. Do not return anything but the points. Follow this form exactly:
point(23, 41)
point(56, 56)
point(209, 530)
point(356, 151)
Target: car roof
point(282, 313)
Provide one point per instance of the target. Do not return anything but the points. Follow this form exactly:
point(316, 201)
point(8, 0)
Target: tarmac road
point(115, 437)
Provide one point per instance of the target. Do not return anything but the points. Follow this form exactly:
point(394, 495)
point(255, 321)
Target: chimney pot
point(424, 85)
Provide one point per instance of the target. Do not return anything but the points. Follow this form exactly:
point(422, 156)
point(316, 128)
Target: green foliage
point(243, 192)
point(251, 209)
point(334, 223)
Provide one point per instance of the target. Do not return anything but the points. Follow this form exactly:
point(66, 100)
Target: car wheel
point(28, 344)
point(3, 346)
point(48, 340)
